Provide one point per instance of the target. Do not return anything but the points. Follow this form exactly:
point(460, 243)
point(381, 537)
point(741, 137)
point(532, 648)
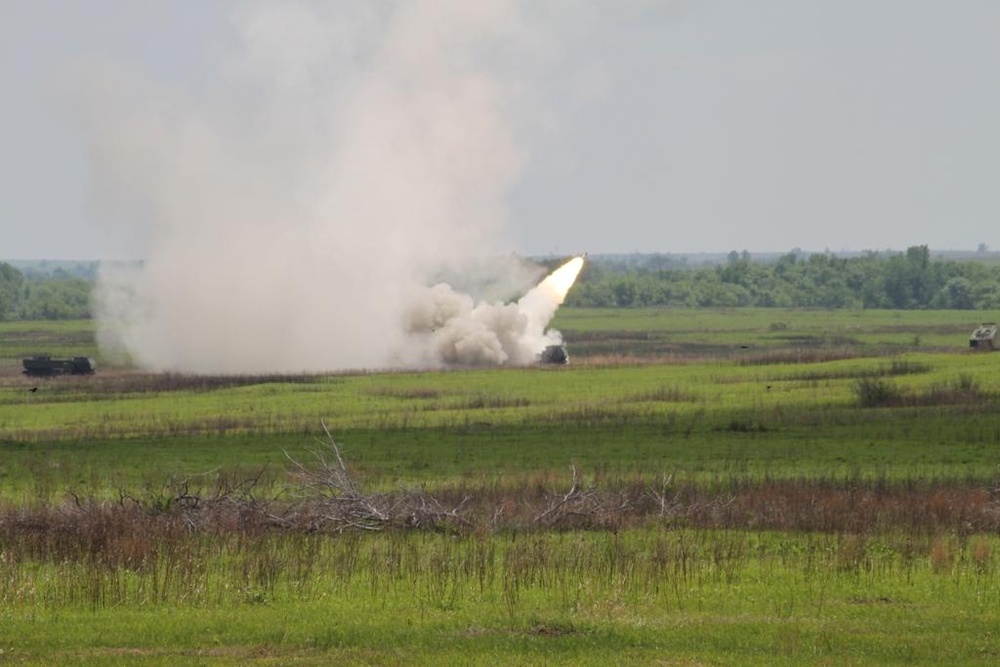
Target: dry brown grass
point(130, 529)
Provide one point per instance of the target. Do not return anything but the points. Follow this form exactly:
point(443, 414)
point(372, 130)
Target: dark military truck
point(554, 354)
point(46, 366)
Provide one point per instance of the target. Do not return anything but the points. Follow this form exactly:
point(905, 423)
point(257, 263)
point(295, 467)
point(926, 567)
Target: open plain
point(751, 486)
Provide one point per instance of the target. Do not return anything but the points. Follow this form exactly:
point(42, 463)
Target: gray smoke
point(292, 206)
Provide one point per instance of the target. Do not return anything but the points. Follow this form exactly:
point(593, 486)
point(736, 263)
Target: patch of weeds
point(877, 393)
point(963, 389)
point(902, 367)
point(802, 355)
point(406, 393)
point(663, 394)
point(552, 629)
point(894, 368)
point(482, 402)
point(744, 426)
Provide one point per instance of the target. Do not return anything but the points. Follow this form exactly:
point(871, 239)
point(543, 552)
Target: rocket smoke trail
point(446, 327)
point(292, 207)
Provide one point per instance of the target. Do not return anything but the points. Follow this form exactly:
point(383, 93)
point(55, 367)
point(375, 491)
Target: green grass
point(58, 339)
point(748, 332)
point(706, 419)
point(568, 598)
point(872, 439)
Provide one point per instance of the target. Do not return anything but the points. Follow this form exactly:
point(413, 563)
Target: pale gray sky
point(679, 126)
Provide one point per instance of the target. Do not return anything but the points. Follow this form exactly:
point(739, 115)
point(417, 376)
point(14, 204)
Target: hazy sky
point(649, 126)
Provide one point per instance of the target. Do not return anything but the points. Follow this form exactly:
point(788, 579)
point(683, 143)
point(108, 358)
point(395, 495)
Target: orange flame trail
point(559, 282)
point(540, 304)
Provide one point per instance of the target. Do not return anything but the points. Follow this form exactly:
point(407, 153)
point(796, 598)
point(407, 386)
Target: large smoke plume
point(293, 205)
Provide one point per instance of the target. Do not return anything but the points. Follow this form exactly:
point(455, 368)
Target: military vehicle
point(554, 354)
point(45, 366)
point(984, 337)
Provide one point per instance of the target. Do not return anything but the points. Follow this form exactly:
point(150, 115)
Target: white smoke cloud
point(291, 207)
point(445, 326)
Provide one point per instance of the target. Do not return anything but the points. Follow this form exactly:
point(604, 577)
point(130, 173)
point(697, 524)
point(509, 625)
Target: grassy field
point(59, 339)
point(696, 487)
point(740, 333)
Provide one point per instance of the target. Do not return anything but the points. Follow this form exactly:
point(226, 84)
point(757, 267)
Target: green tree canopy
point(907, 280)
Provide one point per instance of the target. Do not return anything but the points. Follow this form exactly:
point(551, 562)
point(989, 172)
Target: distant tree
point(911, 279)
point(56, 299)
point(10, 289)
point(957, 293)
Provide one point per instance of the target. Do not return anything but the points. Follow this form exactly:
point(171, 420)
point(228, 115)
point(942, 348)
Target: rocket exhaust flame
point(557, 285)
point(448, 329)
point(540, 304)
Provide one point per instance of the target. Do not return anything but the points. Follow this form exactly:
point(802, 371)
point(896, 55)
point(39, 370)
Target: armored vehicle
point(554, 354)
point(984, 337)
point(46, 366)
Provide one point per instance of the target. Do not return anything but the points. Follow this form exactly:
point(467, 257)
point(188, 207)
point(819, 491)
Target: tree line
point(38, 294)
point(903, 280)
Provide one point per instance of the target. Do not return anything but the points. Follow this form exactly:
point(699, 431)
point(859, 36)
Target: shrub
point(876, 393)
